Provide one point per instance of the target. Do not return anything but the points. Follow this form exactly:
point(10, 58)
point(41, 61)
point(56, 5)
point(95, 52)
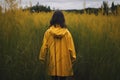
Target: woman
point(58, 43)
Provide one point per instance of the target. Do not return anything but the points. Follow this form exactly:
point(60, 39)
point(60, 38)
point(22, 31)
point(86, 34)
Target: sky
point(64, 4)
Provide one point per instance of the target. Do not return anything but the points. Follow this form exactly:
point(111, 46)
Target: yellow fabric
point(58, 43)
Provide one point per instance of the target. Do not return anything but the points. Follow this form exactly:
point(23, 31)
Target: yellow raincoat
point(59, 47)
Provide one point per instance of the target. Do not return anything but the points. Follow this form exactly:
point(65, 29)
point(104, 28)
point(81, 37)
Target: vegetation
point(105, 9)
point(96, 40)
point(38, 8)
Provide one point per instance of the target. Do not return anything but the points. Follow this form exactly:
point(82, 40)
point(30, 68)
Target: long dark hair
point(58, 18)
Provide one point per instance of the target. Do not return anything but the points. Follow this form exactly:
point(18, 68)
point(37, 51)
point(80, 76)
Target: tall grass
point(96, 40)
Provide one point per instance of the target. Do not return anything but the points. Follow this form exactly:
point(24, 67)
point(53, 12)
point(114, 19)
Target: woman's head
point(58, 19)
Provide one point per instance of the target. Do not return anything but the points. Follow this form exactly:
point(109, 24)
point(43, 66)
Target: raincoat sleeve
point(71, 48)
point(43, 49)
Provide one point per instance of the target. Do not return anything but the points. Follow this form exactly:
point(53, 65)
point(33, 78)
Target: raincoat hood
point(58, 32)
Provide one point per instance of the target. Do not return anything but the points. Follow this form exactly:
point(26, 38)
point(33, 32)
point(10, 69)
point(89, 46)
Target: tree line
point(38, 8)
point(105, 9)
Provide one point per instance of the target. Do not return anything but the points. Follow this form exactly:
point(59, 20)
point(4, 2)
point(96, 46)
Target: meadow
point(96, 38)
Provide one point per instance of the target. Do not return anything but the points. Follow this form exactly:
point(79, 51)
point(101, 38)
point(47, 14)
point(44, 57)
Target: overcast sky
point(64, 4)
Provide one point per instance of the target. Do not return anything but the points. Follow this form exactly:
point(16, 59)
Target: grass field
point(96, 38)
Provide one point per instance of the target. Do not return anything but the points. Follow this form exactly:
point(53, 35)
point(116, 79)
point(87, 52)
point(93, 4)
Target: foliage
point(39, 8)
point(96, 40)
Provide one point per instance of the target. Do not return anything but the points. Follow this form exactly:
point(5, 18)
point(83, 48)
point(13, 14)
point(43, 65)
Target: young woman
point(58, 43)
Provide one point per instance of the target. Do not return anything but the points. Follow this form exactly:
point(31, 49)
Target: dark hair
point(58, 18)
